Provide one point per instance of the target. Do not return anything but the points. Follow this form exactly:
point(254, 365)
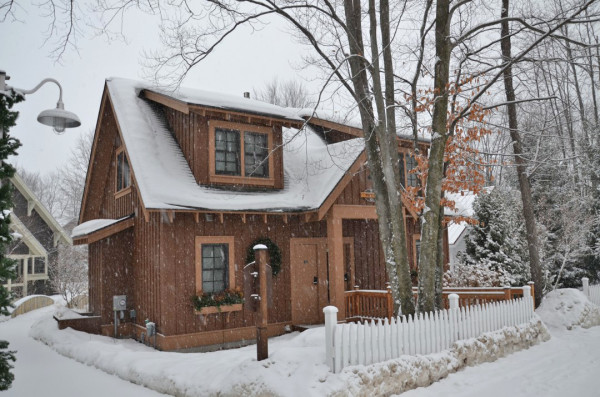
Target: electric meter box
point(119, 302)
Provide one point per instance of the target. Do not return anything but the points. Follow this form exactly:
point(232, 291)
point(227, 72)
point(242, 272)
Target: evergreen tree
point(496, 248)
point(8, 147)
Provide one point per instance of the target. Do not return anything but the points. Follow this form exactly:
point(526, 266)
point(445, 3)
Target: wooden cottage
point(180, 186)
point(35, 246)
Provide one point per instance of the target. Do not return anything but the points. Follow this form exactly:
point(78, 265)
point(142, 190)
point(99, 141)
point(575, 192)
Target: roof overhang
point(99, 229)
point(186, 107)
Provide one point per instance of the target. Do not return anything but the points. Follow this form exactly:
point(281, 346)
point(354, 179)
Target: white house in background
point(37, 235)
point(458, 231)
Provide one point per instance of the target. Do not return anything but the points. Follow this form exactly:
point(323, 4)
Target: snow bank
point(296, 364)
point(410, 372)
point(568, 308)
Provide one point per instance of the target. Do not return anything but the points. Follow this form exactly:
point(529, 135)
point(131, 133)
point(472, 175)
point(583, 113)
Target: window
point(215, 262)
point(239, 153)
point(411, 163)
point(256, 151)
point(227, 152)
point(215, 270)
point(406, 163)
point(123, 172)
point(39, 265)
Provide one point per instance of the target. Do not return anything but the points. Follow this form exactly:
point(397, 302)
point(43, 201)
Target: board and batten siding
point(101, 202)
point(110, 273)
point(163, 276)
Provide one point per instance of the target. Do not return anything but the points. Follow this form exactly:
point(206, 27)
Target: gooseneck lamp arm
point(58, 118)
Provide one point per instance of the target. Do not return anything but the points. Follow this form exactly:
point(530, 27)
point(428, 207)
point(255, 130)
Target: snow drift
point(568, 308)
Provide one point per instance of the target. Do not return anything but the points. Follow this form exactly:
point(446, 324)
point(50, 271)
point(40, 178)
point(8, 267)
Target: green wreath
point(274, 253)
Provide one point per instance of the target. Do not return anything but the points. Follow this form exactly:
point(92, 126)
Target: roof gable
point(33, 203)
point(165, 181)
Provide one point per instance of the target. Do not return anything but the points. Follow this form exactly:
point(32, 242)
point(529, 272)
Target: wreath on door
point(274, 253)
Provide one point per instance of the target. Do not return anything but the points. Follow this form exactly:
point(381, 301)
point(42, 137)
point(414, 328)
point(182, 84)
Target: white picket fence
point(591, 291)
point(376, 341)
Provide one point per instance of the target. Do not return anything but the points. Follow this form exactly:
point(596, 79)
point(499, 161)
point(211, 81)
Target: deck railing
point(361, 304)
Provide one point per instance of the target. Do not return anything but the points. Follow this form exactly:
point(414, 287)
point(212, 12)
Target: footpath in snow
point(567, 364)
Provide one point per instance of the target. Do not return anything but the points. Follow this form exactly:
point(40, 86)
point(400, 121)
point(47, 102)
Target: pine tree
point(496, 250)
point(8, 147)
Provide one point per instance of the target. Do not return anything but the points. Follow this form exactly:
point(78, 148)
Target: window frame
point(405, 175)
point(204, 240)
point(216, 178)
point(126, 189)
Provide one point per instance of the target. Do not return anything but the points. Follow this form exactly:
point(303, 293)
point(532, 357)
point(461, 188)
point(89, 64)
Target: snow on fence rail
point(591, 291)
point(375, 341)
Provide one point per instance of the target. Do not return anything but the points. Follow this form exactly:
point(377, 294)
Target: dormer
point(228, 142)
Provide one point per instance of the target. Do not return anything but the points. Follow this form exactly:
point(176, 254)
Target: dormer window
point(123, 177)
point(239, 154)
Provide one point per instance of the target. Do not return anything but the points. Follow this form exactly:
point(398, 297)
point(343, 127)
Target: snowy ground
point(568, 364)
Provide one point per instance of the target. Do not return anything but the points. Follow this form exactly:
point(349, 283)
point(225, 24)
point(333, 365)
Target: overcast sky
point(245, 62)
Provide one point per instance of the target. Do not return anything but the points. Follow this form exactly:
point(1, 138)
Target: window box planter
point(219, 309)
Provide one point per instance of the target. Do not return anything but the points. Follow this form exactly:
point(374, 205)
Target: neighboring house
point(181, 184)
point(457, 232)
point(35, 246)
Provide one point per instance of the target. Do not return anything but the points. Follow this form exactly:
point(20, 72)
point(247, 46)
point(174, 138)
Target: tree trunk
point(433, 190)
point(532, 239)
point(381, 149)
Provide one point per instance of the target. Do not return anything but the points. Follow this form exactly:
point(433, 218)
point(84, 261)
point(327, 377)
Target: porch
point(365, 304)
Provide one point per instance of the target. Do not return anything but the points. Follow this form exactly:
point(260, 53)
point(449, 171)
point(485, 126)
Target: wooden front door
point(309, 272)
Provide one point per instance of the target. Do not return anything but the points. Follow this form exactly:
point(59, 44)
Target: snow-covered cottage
point(37, 235)
point(180, 186)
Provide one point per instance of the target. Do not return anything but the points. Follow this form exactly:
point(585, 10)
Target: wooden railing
point(362, 304)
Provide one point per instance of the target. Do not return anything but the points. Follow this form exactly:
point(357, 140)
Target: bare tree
point(69, 275)
point(291, 93)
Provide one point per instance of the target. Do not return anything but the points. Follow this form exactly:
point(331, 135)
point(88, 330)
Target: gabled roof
point(33, 203)
point(165, 181)
point(27, 237)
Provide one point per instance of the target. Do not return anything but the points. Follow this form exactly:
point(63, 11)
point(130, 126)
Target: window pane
point(256, 152)
point(120, 171)
point(227, 151)
point(401, 167)
point(411, 163)
point(215, 263)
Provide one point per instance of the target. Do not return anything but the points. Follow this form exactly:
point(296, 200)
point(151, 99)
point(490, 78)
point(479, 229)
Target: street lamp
point(58, 118)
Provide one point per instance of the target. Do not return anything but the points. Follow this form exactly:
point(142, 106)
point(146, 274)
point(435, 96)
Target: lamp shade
point(59, 119)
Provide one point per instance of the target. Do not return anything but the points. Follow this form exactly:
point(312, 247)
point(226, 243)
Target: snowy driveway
point(40, 371)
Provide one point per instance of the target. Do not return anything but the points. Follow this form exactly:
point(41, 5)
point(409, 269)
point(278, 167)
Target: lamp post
point(57, 118)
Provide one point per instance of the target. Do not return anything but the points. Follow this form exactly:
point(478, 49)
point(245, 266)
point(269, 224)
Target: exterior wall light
point(59, 118)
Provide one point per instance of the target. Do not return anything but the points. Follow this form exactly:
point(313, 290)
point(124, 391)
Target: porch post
point(335, 248)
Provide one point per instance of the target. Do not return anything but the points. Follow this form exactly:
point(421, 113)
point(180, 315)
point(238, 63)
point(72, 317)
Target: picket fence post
point(454, 317)
point(330, 324)
point(586, 286)
point(527, 293)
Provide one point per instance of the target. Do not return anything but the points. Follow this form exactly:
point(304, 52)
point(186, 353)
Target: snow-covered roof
point(219, 100)
point(165, 181)
point(34, 203)
point(93, 226)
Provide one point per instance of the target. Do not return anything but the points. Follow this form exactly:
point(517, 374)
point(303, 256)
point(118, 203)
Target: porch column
point(335, 247)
